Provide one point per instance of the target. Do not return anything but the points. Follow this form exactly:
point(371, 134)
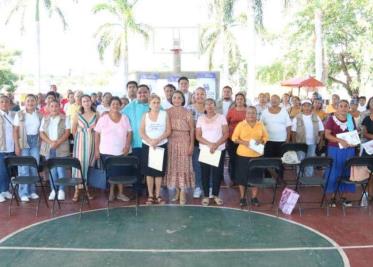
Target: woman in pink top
point(113, 138)
point(212, 133)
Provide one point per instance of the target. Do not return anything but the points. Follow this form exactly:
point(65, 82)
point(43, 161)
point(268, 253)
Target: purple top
point(336, 126)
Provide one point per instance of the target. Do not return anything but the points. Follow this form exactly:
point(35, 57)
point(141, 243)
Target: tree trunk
point(38, 44)
point(251, 70)
point(319, 50)
point(225, 75)
point(125, 60)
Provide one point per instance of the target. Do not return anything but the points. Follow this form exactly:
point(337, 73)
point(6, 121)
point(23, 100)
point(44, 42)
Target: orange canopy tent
point(309, 82)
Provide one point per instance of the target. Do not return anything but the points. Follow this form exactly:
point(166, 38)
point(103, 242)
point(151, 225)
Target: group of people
point(183, 124)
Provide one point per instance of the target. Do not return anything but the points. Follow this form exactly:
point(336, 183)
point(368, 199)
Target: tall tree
point(219, 32)
point(346, 42)
point(115, 32)
point(8, 78)
point(24, 8)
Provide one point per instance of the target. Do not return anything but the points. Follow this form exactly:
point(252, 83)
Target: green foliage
point(8, 79)
point(347, 35)
point(220, 32)
point(115, 33)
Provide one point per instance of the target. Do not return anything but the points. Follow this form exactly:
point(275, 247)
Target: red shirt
point(233, 118)
point(334, 128)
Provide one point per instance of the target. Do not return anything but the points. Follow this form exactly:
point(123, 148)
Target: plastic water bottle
point(364, 200)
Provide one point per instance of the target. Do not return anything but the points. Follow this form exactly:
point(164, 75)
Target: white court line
point(339, 248)
point(224, 250)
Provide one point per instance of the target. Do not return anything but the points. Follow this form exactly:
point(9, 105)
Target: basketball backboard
point(167, 38)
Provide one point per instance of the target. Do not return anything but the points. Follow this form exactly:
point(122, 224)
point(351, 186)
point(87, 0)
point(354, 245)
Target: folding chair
point(346, 179)
point(12, 164)
point(297, 147)
point(263, 165)
point(321, 178)
point(67, 162)
point(131, 163)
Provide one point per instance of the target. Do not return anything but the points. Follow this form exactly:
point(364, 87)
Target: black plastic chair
point(322, 166)
point(263, 166)
point(67, 162)
point(345, 179)
point(129, 179)
point(297, 147)
point(12, 164)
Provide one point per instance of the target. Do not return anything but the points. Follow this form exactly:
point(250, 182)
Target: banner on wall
point(207, 80)
point(150, 79)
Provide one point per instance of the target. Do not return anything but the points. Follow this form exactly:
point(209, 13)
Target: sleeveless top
point(155, 129)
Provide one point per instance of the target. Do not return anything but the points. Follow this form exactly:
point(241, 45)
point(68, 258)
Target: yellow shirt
point(293, 112)
point(330, 109)
point(72, 111)
point(245, 132)
point(322, 114)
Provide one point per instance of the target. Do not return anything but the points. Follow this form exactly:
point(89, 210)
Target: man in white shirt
point(362, 104)
point(307, 128)
point(168, 90)
point(226, 103)
point(132, 90)
point(183, 84)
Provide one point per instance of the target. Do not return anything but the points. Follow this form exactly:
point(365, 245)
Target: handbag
point(359, 173)
point(97, 176)
point(289, 199)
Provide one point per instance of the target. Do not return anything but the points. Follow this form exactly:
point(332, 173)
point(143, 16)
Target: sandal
point(150, 201)
point(218, 201)
point(159, 200)
point(76, 196)
point(205, 201)
point(182, 198)
point(177, 196)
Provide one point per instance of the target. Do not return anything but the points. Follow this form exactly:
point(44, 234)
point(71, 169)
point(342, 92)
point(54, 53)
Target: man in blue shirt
point(134, 111)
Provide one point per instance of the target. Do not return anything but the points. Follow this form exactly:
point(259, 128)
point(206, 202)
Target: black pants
point(216, 174)
point(231, 149)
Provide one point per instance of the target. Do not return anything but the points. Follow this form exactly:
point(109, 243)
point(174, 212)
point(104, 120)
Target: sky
point(74, 51)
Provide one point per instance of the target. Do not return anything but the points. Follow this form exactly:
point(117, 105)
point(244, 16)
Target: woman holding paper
point(247, 131)
point(179, 173)
point(340, 122)
point(154, 130)
point(113, 135)
point(212, 133)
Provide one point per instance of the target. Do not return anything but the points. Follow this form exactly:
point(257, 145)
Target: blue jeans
point(57, 173)
point(4, 177)
point(34, 151)
point(197, 167)
point(311, 152)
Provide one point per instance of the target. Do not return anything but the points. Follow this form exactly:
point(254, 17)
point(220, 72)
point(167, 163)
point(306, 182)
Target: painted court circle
point(170, 236)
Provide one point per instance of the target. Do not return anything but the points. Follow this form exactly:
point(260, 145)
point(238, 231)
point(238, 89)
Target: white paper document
point(155, 159)
point(258, 148)
point(351, 138)
point(209, 158)
point(368, 147)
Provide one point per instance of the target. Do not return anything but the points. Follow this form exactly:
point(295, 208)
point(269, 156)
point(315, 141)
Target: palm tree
point(23, 8)
point(115, 33)
point(219, 32)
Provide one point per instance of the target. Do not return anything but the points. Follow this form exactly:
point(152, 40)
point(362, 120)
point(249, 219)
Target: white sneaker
point(123, 197)
point(61, 195)
point(25, 199)
point(34, 196)
point(52, 195)
point(7, 195)
point(2, 199)
point(210, 193)
point(197, 192)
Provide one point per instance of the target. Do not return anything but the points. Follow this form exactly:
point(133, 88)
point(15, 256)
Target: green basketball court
point(170, 236)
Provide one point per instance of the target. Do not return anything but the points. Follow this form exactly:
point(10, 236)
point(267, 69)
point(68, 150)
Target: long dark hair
point(93, 109)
